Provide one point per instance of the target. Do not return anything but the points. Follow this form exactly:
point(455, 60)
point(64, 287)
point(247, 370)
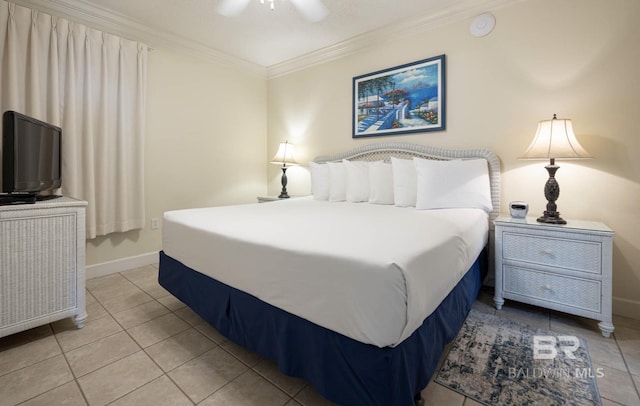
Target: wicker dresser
point(42, 248)
point(560, 267)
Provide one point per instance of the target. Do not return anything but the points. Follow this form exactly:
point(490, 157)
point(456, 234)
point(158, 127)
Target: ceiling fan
point(312, 10)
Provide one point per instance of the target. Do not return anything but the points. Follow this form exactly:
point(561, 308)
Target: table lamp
point(283, 157)
point(554, 139)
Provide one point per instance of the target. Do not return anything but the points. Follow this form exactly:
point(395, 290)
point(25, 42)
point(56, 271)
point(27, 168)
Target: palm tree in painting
point(364, 91)
point(371, 101)
point(381, 84)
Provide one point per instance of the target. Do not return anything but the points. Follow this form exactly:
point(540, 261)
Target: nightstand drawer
point(564, 290)
point(578, 255)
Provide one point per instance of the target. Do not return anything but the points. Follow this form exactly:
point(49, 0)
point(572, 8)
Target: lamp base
point(551, 192)
point(283, 180)
point(551, 218)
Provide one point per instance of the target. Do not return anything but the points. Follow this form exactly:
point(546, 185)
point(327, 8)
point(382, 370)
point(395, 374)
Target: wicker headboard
point(384, 152)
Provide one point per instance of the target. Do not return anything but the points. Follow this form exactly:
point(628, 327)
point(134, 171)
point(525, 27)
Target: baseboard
point(626, 307)
point(119, 265)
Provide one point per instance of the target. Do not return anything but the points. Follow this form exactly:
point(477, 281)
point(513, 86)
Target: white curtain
point(93, 85)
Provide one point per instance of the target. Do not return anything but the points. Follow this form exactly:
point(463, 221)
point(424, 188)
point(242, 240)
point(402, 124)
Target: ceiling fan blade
point(229, 8)
point(312, 10)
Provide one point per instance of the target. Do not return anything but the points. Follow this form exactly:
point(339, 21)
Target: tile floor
point(141, 346)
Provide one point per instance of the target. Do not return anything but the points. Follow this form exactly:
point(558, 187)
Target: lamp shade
point(555, 139)
point(284, 155)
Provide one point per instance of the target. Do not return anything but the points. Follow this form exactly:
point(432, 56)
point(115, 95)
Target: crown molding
point(100, 18)
point(106, 20)
point(413, 26)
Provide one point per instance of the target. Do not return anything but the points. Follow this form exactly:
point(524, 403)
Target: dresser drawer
point(564, 290)
point(578, 255)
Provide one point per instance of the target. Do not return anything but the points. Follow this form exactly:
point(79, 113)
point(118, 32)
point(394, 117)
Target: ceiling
point(258, 38)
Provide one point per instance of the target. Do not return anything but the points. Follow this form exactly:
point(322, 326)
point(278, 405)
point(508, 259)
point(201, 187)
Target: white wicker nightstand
point(265, 199)
point(561, 267)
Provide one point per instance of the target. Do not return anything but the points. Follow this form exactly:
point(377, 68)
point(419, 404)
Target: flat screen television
point(31, 156)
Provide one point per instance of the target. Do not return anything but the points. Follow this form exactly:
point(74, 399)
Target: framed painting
point(403, 99)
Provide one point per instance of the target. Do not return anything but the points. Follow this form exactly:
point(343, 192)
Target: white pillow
point(357, 173)
point(381, 183)
point(453, 184)
point(404, 182)
point(319, 180)
point(337, 182)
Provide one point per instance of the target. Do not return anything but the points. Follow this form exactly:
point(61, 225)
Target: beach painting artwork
point(399, 100)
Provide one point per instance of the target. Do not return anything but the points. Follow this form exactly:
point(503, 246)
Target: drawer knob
point(546, 288)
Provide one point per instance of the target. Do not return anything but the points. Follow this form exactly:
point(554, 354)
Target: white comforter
point(370, 272)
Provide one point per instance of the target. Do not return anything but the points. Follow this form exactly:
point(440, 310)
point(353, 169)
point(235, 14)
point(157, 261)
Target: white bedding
point(370, 272)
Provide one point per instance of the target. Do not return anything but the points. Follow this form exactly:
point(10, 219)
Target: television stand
point(44, 198)
point(42, 272)
point(17, 199)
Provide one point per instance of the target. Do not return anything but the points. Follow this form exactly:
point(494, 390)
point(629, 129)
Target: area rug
point(499, 362)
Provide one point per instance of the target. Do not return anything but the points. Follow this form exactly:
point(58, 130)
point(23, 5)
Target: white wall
point(576, 58)
point(205, 145)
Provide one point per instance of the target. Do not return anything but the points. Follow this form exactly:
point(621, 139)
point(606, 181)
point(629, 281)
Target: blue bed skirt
point(343, 370)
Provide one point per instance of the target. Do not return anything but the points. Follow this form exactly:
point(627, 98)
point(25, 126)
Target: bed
point(360, 299)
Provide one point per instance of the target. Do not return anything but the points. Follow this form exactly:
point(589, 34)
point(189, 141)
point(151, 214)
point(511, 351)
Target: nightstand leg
point(498, 301)
point(606, 327)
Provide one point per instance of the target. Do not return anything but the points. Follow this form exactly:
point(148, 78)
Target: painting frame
point(381, 107)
